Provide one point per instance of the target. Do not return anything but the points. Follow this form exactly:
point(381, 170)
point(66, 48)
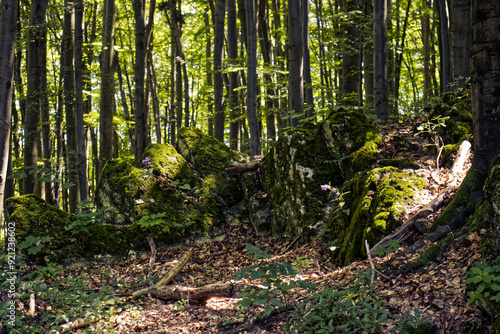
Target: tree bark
point(460, 40)
point(36, 56)
point(295, 60)
point(142, 40)
point(381, 102)
point(253, 122)
point(107, 86)
point(485, 82)
point(445, 46)
point(8, 20)
point(232, 55)
point(80, 131)
point(219, 118)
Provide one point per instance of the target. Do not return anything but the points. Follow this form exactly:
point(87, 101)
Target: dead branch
point(461, 157)
point(78, 323)
point(242, 168)
point(372, 265)
point(171, 274)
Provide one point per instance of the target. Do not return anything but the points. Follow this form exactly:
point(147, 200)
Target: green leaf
point(244, 303)
point(260, 301)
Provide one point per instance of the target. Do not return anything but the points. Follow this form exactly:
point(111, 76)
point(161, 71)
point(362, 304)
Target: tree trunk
point(208, 55)
point(219, 119)
point(485, 82)
point(425, 35)
point(107, 86)
point(232, 55)
point(460, 40)
point(309, 98)
point(445, 52)
point(253, 122)
point(8, 18)
point(142, 40)
point(350, 57)
point(80, 131)
point(69, 106)
point(36, 56)
point(368, 58)
point(380, 59)
point(295, 60)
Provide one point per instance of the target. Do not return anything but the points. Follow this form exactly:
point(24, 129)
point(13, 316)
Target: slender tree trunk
point(309, 98)
point(445, 46)
point(253, 122)
point(36, 52)
point(426, 30)
point(80, 131)
point(142, 41)
point(460, 40)
point(351, 58)
point(232, 54)
point(208, 55)
point(399, 58)
point(8, 16)
point(295, 60)
point(380, 59)
point(219, 119)
point(368, 58)
point(107, 86)
point(69, 106)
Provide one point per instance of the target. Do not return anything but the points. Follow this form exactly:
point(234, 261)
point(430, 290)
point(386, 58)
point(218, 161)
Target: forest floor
point(437, 290)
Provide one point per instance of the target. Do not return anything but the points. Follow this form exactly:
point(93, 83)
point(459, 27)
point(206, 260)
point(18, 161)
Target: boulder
point(372, 205)
point(163, 187)
point(305, 158)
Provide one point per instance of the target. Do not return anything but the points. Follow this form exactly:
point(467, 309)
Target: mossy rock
point(210, 157)
point(305, 158)
point(166, 186)
point(353, 141)
point(292, 173)
point(33, 216)
point(457, 106)
point(372, 206)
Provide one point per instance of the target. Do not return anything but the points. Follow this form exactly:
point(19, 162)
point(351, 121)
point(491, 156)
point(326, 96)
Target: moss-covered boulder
point(353, 142)
point(372, 206)
point(164, 187)
point(70, 235)
point(33, 216)
point(210, 157)
point(305, 158)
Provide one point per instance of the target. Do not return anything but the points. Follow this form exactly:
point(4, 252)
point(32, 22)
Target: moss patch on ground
point(376, 201)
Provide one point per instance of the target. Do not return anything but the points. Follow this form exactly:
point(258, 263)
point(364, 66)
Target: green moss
point(210, 157)
point(166, 185)
point(376, 200)
point(401, 163)
point(33, 216)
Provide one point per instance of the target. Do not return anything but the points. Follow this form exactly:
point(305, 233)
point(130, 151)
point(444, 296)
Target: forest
point(249, 166)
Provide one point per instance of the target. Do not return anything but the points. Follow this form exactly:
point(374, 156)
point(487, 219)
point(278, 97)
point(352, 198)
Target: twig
point(372, 265)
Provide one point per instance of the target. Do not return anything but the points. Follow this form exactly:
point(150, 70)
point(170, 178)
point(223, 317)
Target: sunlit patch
point(222, 303)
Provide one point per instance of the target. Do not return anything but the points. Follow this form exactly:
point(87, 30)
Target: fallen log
point(198, 295)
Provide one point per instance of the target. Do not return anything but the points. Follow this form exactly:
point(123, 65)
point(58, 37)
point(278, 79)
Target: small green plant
point(486, 281)
point(152, 220)
point(431, 127)
point(34, 244)
point(278, 280)
point(356, 309)
point(180, 305)
point(392, 245)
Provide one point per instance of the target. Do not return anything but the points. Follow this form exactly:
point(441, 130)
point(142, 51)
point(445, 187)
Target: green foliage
point(486, 281)
point(70, 298)
point(356, 309)
point(277, 280)
point(85, 217)
point(392, 245)
point(33, 244)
